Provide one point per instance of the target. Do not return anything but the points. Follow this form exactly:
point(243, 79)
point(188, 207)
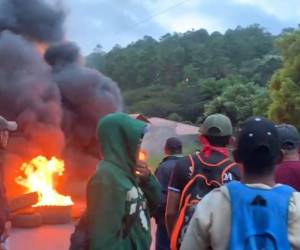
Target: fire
point(143, 156)
point(41, 48)
point(39, 176)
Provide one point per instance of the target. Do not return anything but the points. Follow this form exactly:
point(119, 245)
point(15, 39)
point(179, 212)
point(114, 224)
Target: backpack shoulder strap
point(238, 190)
point(192, 166)
point(284, 190)
point(219, 162)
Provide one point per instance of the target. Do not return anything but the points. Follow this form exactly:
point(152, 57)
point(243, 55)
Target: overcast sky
point(110, 22)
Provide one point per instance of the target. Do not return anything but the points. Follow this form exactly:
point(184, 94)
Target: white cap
point(7, 125)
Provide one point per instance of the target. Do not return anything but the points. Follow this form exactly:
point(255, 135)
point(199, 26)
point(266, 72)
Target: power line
point(162, 12)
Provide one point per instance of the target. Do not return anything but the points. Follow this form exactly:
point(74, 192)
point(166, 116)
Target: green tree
point(96, 59)
point(285, 83)
point(261, 102)
point(191, 73)
point(238, 101)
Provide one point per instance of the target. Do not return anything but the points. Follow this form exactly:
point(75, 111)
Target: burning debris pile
point(39, 177)
point(42, 204)
point(46, 88)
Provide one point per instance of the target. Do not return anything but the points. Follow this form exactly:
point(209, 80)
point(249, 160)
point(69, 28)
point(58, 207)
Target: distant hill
point(185, 76)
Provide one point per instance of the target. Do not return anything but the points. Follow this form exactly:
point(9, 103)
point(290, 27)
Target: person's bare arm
point(172, 210)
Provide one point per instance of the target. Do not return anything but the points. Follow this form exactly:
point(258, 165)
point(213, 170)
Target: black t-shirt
point(163, 174)
point(182, 173)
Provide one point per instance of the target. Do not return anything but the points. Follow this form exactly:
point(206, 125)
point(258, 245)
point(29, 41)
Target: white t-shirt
point(211, 223)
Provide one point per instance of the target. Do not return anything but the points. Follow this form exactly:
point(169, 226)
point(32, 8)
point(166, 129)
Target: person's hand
point(142, 170)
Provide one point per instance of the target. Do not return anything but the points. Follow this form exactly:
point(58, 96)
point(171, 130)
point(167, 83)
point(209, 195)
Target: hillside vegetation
point(185, 77)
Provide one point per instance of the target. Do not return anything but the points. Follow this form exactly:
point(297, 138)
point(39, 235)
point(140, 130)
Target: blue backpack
point(259, 217)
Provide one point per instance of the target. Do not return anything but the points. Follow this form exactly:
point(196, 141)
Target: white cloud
point(181, 16)
point(188, 21)
point(284, 10)
point(122, 21)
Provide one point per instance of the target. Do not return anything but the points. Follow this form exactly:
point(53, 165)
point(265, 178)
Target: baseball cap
point(7, 125)
point(289, 136)
point(258, 140)
point(217, 125)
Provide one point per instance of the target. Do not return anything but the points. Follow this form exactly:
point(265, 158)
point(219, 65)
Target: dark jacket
point(163, 174)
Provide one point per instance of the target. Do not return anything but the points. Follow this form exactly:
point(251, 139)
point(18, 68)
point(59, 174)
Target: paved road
point(43, 238)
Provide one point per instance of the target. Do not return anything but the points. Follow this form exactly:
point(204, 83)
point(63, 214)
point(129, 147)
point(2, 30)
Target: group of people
point(241, 195)
point(204, 206)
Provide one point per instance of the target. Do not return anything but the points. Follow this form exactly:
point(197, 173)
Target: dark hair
point(259, 162)
point(218, 141)
point(173, 145)
point(290, 146)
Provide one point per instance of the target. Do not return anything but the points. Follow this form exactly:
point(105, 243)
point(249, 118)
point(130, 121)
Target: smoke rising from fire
point(34, 19)
point(55, 99)
point(29, 95)
point(86, 96)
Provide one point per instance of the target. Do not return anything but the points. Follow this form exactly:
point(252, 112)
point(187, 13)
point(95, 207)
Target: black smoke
point(86, 94)
point(34, 19)
point(29, 95)
point(55, 99)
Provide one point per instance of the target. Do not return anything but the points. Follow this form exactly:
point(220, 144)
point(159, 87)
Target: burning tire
point(27, 220)
point(23, 201)
point(55, 214)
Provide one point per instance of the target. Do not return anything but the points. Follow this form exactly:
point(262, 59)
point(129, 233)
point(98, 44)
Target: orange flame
point(143, 155)
point(39, 177)
point(41, 48)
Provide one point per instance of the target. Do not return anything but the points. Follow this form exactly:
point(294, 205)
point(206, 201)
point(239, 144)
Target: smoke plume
point(55, 99)
point(29, 95)
point(87, 95)
point(34, 19)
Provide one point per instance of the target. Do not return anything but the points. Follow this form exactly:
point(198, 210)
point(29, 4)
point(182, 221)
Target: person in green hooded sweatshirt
point(123, 193)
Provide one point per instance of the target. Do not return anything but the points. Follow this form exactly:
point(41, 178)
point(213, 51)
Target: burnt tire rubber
point(55, 214)
point(27, 220)
point(23, 201)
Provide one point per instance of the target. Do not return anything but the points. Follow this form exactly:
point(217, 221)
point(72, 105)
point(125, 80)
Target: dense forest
point(186, 76)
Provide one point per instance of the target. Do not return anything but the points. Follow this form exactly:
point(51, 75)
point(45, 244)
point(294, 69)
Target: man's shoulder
point(183, 163)
point(169, 161)
point(217, 195)
point(215, 202)
point(289, 165)
point(295, 202)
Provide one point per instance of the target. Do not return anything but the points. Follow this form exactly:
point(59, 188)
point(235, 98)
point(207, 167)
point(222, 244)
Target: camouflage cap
point(7, 125)
point(217, 125)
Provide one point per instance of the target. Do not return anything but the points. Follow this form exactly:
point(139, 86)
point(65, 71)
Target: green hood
point(120, 136)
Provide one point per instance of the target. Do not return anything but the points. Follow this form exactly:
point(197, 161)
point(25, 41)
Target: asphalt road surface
point(44, 238)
